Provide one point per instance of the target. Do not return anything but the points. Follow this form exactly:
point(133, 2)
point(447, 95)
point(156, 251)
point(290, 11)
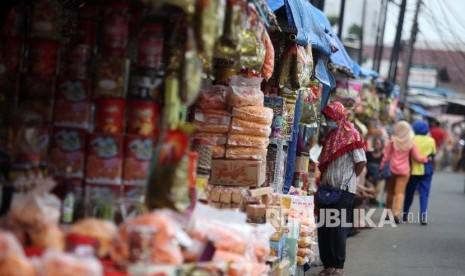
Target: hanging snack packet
point(245, 92)
point(252, 48)
point(268, 63)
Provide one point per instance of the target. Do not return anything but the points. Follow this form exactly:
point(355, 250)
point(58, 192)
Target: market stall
point(165, 137)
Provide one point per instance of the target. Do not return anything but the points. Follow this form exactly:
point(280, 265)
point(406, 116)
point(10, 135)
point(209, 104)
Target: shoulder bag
point(386, 169)
point(329, 195)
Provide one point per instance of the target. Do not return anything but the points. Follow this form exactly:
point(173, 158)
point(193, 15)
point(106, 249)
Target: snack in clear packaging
point(268, 64)
point(304, 252)
point(304, 65)
point(212, 117)
point(311, 101)
point(49, 237)
point(249, 128)
point(218, 152)
point(218, 139)
point(211, 128)
point(245, 92)
point(37, 208)
point(165, 248)
point(212, 97)
point(238, 140)
point(347, 92)
point(256, 114)
point(302, 260)
point(245, 153)
point(252, 48)
point(61, 264)
point(102, 230)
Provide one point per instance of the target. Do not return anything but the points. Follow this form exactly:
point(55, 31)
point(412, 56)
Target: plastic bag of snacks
point(311, 102)
point(249, 128)
point(37, 208)
point(303, 65)
point(252, 48)
point(211, 128)
point(213, 138)
point(212, 97)
point(218, 151)
point(61, 264)
point(213, 117)
point(245, 153)
point(161, 246)
point(12, 258)
point(101, 230)
point(261, 115)
point(268, 64)
point(347, 92)
point(245, 92)
point(239, 140)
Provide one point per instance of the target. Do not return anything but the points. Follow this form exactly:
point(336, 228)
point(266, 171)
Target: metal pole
point(360, 52)
point(406, 68)
point(341, 19)
point(397, 46)
point(380, 36)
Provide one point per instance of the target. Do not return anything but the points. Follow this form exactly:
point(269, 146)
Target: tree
point(356, 30)
point(333, 19)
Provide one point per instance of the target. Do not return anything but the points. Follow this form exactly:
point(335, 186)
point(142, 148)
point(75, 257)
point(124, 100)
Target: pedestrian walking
point(398, 152)
point(373, 166)
point(422, 174)
point(341, 161)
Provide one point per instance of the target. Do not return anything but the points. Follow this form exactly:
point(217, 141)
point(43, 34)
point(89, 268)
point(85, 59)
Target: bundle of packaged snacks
point(277, 104)
point(302, 210)
point(246, 153)
point(238, 140)
point(211, 121)
point(218, 152)
point(256, 114)
point(239, 126)
point(212, 97)
point(226, 197)
point(245, 92)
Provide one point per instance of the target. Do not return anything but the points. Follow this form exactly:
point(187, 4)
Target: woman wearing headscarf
point(422, 174)
point(398, 151)
point(342, 159)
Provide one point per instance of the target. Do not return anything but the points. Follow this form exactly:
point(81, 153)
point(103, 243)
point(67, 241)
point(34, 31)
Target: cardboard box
point(238, 173)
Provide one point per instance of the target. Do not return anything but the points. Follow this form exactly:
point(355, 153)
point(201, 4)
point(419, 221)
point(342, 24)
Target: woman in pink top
point(398, 151)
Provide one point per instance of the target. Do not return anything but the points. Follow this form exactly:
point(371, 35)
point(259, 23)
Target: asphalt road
point(413, 249)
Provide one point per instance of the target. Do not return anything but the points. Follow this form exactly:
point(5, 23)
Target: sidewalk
point(412, 249)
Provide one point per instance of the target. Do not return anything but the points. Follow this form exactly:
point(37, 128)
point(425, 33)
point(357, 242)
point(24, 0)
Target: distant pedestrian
point(373, 165)
point(398, 151)
point(422, 174)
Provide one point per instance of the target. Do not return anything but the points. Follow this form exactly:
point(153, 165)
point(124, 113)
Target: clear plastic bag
point(245, 153)
point(260, 115)
point(61, 264)
point(239, 140)
point(37, 208)
point(268, 64)
point(214, 138)
point(211, 128)
point(249, 128)
point(245, 92)
point(213, 117)
point(212, 97)
point(218, 152)
point(12, 258)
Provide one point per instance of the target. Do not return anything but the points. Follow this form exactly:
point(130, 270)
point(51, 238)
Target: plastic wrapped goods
point(212, 97)
point(245, 92)
point(261, 115)
point(249, 128)
point(245, 153)
point(238, 140)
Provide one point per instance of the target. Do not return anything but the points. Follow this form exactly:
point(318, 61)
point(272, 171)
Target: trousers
point(395, 193)
point(332, 239)
point(423, 184)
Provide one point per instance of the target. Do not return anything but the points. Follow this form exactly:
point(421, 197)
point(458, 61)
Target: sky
point(441, 23)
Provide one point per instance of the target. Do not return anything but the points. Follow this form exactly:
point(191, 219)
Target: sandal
point(338, 273)
point(327, 272)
